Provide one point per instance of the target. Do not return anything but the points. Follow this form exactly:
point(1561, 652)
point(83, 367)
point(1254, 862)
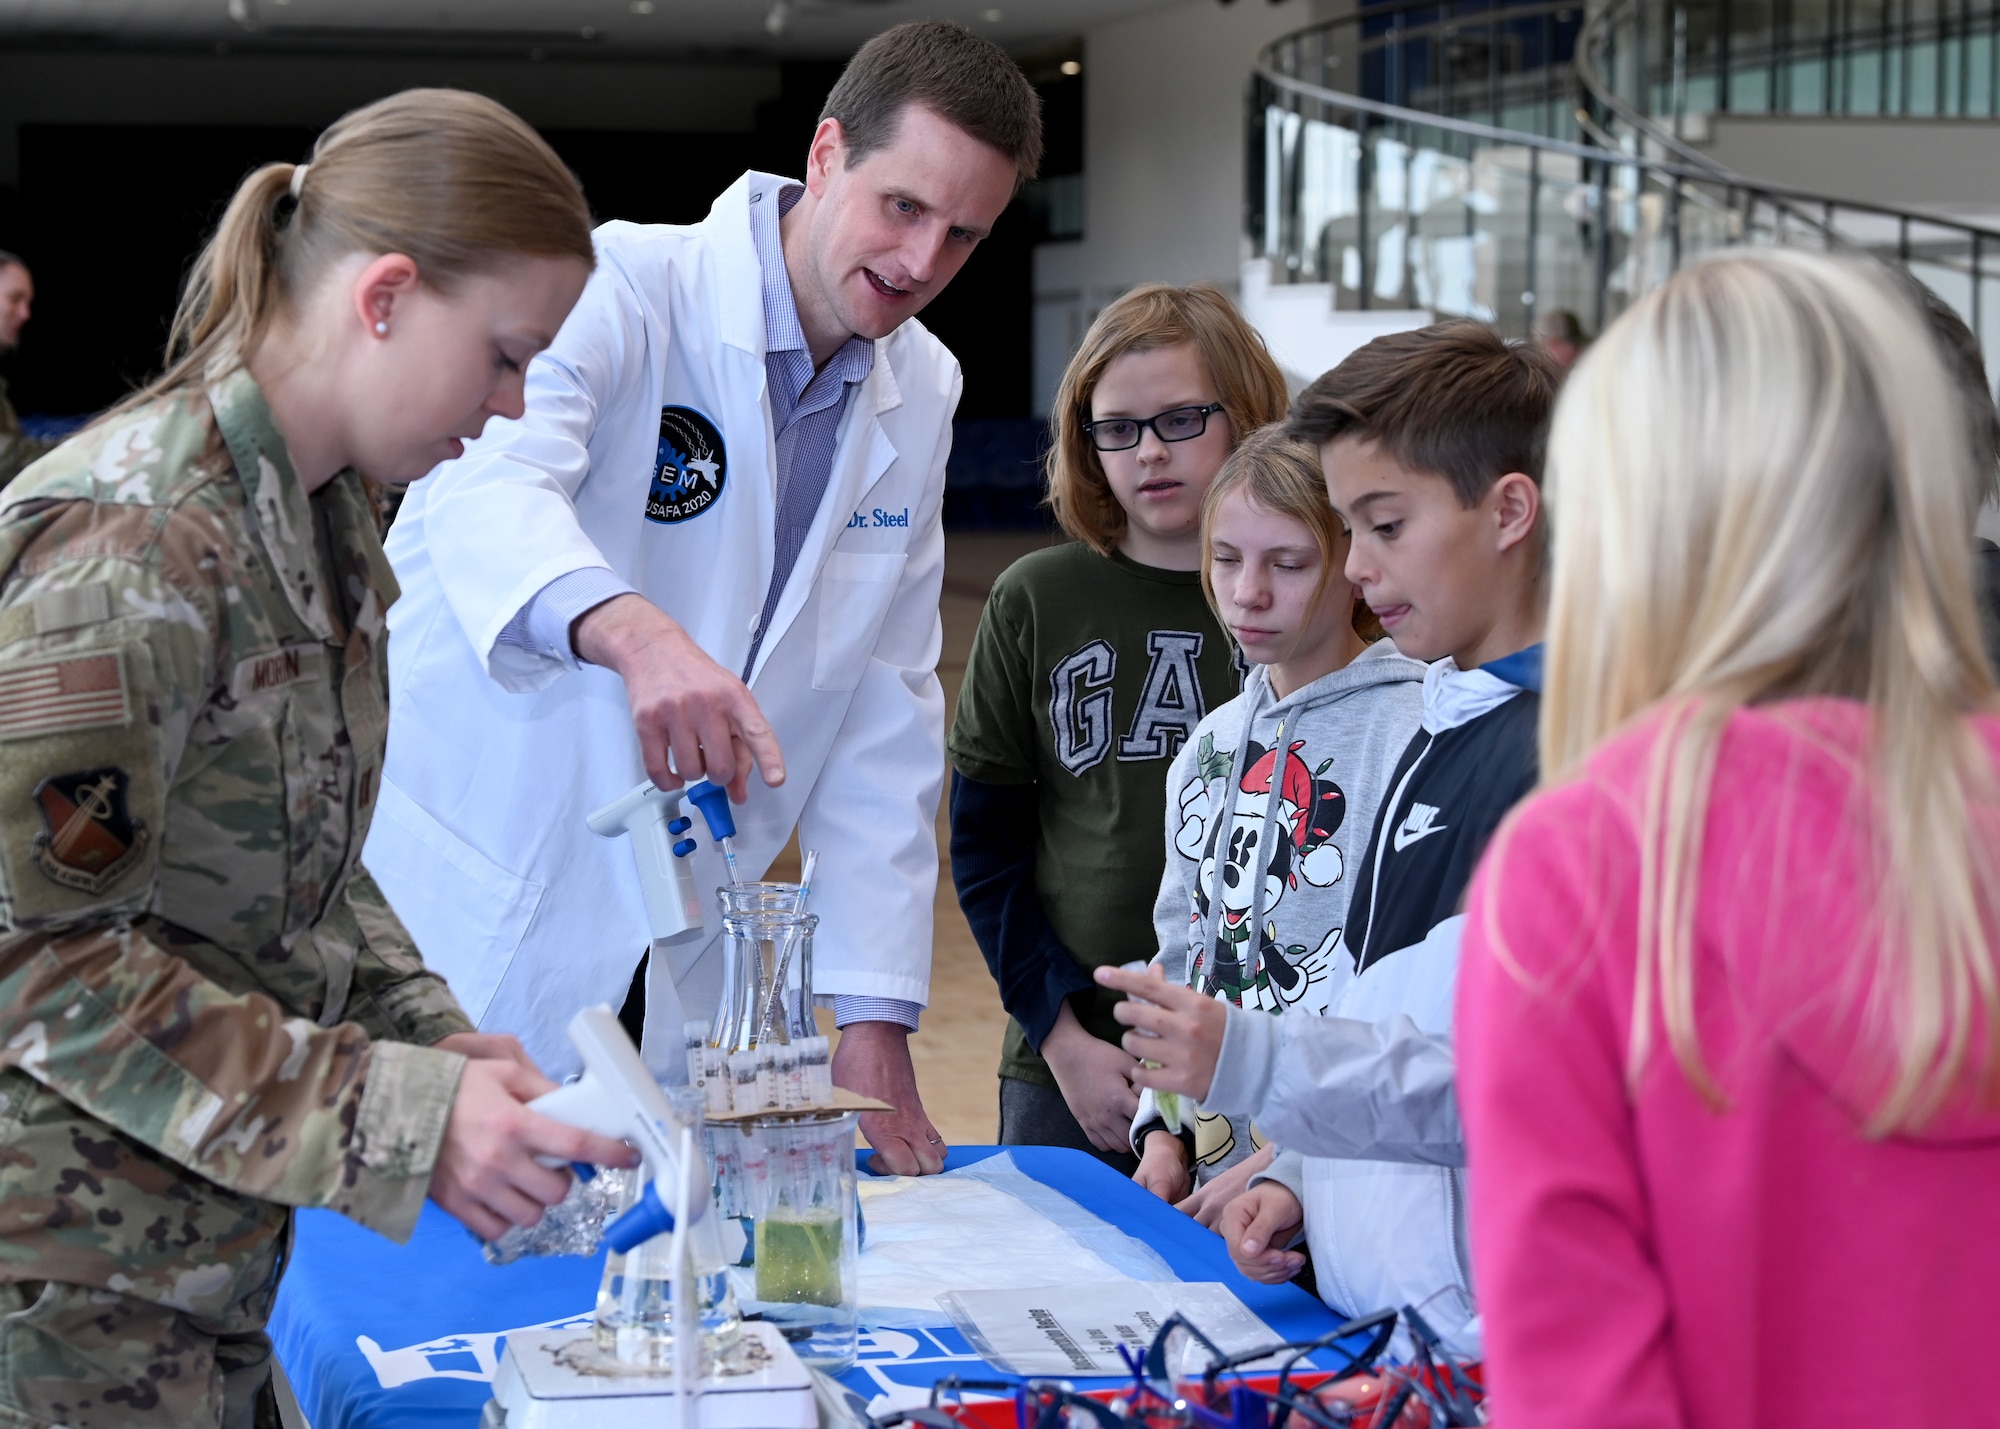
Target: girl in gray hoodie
point(1270, 803)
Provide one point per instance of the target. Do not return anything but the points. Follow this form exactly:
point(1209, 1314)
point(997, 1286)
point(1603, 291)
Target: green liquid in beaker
point(798, 1262)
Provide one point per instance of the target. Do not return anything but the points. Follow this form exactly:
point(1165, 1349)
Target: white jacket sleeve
point(500, 522)
point(1341, 1087)
point(1372, 1080)
point(873, 812)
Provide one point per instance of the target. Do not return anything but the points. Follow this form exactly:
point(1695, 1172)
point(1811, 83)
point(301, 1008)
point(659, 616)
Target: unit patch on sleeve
point(54, 695)
point(689, 468)
point(89, 836)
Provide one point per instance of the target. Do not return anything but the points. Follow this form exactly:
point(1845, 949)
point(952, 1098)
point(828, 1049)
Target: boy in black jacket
point(1431, 443)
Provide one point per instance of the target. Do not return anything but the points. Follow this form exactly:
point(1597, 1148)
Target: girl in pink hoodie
point(1729, 989)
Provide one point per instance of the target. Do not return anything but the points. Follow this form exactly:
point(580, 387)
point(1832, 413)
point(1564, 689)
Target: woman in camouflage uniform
point(208, 1012)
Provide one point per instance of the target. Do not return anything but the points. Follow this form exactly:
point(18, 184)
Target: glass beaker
point(766, 971)
point(758, 897)
point(635, 1309)
point(805, 1278)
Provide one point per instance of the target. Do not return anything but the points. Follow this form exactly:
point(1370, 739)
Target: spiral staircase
point(1500, 160)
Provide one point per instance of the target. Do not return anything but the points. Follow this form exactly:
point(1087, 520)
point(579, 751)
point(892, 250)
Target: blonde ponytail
point(233, 289)
point(453, 180)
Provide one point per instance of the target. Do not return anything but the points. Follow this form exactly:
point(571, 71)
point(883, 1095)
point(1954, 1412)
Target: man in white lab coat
point(714, 534)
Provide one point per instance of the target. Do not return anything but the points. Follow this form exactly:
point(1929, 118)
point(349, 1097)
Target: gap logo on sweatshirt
point(1310, 807)
point(1170, 704)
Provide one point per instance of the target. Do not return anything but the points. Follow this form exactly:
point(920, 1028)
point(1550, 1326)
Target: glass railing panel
point(1863, 83)
point(1565, 249)
point(1922, 99)
point(1805, 87)
point(1703, 93)
point(1504, 180)
point(1704, 220)
point(1281, 128)
point(1749, 89)
point(1330, 171)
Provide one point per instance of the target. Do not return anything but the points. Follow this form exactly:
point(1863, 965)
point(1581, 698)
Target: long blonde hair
point(454, 180)
point(1763, 487)
point(1247, 381)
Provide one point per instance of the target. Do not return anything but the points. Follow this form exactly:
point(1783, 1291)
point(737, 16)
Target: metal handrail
point(1707, 172)
point(1600, 91)
point(1597, 174)
point(1775, 47)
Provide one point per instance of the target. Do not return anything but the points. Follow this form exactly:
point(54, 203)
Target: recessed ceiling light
point(991, 17)
point(1072, 67)
point(642, 7)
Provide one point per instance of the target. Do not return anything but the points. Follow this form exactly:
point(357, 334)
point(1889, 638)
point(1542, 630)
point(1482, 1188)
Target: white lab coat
point(496, 754)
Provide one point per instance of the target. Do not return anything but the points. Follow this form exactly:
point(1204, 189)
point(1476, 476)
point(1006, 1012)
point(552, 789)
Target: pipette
point(777, 997)
point(653, 821)
point(713, 801)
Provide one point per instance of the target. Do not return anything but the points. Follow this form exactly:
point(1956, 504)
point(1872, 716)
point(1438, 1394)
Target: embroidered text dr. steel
point(867, 520)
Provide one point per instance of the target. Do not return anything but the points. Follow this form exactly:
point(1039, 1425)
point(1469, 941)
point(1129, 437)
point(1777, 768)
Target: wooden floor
point(957, 1051)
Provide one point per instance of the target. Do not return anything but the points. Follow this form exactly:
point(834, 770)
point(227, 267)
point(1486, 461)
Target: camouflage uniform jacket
point(198, 982)
point(16, 450)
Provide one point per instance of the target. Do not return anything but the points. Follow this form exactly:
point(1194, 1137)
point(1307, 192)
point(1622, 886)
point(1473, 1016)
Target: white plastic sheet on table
point(987, 1226)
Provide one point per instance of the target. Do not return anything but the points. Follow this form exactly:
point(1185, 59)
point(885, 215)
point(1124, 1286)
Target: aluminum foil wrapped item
point(573, 1226)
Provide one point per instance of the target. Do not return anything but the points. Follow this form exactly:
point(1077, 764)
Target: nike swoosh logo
point(1405, 835)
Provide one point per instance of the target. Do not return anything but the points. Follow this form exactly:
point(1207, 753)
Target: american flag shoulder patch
point(62, 693)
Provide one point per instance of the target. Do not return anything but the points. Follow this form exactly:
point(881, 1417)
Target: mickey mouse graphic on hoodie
point(1269, 806)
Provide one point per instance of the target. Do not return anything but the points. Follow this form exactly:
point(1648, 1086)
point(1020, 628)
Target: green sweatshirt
point(1087, 676)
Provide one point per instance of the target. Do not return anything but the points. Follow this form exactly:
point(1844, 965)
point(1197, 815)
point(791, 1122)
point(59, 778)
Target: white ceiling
point(559, 29)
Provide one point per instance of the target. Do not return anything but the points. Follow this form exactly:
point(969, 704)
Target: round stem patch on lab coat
point(689, 469)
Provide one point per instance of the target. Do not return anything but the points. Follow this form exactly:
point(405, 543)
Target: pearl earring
point(381, 329)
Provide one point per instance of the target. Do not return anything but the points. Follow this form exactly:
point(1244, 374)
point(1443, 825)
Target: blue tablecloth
point(392, 1337)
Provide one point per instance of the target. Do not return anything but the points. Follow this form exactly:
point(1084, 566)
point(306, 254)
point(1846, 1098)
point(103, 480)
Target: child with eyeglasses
point(1093, 664)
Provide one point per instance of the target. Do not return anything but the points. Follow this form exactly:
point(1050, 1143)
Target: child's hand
point(1163, 1169)
point(1207, 1204)
point(1095, 1079)
point(1181, 1030)
point(1257, 1225)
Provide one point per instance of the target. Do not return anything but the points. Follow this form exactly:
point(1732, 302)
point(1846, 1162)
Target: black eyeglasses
point(1119, 434)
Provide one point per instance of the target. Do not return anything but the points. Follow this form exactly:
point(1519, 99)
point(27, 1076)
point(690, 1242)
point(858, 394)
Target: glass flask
point(766, 968)
point(635, 1317)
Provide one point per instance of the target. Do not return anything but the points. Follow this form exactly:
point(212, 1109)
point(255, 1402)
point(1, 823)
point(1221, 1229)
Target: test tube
point(715, 1080)
point(827, 1171)
point(695, 1035)
point(744, 1093)
point(799, 1170)
point(790, 1091)
point(728, 1172)
point(819, 1071)
point(756, 1202)
point(769, 1095)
